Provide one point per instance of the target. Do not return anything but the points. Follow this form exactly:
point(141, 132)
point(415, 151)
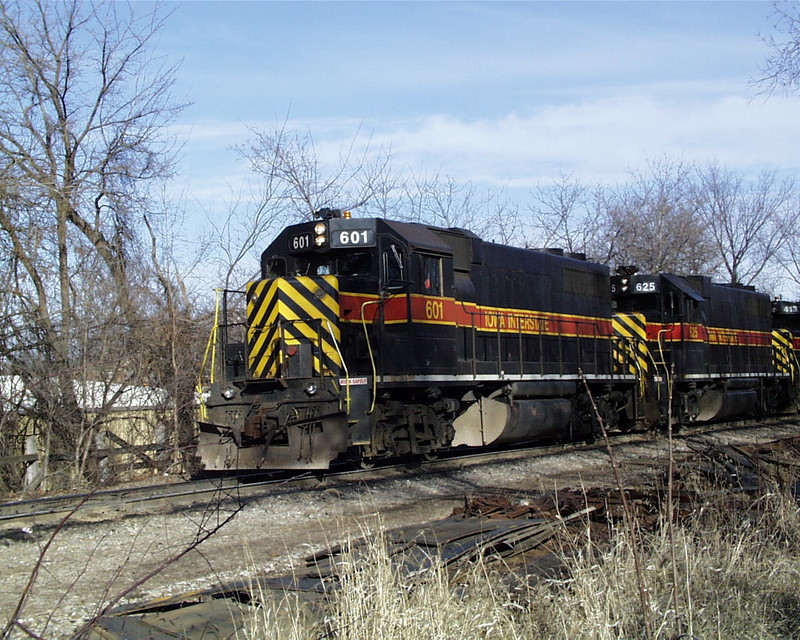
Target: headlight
point(320, 234)
point(312, 388)
point(228, 393)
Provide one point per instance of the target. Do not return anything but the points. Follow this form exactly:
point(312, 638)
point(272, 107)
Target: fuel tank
point(494, 422)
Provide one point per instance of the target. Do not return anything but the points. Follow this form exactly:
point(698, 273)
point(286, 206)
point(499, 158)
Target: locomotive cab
point(285, 396)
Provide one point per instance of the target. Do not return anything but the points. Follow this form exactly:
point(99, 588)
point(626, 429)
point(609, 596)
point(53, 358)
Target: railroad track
point(111, 502)
point(109, 499)
point(129, 500)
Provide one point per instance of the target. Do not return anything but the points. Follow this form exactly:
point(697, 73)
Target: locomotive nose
point(293, 327)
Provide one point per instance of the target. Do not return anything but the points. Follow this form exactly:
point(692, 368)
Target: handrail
point(514, 328)
point(344, 366)
point(371, 356)
point(211, 346)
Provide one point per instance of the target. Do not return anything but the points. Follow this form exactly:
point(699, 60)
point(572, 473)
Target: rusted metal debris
point(489, 527)
point(222, 612)
point(461, 538)
point(457, 539)
point(772, 466)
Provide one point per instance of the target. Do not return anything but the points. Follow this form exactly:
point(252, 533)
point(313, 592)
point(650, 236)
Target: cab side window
point(393, 265)
point(431, 275)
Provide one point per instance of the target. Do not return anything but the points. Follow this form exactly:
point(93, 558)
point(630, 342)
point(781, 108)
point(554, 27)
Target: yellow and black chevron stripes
point(783, 356)
point(285, 312)
point(631, 354)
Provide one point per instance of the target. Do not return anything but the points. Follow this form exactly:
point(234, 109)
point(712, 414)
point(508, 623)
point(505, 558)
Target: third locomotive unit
point(368, 338)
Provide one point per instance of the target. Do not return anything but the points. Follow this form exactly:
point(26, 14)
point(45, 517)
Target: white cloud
point(601, 139)
point(598, 139)
point(214, 130)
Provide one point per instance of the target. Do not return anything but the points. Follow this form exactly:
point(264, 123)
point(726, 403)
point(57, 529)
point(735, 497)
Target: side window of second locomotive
point(431, 275)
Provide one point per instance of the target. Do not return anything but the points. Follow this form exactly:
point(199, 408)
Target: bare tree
point(83, 106)
point(789, 256)
point(301, 183)
point(255, 213)
point(290, 182)
point(295, 182)
point(444, 201)
point(781, 73)
point(503, 220)
point(747, 219)
point(561, 216)
point(653, 222)
point(177, 327)
point(781, 70)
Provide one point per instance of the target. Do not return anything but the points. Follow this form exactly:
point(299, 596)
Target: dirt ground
point(91, 561)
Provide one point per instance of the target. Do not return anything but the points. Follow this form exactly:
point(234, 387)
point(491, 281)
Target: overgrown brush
point(379, 600)
point(738, 579)
point(738, 572)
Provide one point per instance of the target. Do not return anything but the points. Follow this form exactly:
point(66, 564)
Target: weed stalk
point(630, 520)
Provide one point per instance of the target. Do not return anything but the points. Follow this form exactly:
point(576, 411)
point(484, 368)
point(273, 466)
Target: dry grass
point(739, 572)
point(381, 602)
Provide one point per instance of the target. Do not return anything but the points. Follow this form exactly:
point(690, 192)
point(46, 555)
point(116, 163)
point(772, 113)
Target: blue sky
point(507, 95)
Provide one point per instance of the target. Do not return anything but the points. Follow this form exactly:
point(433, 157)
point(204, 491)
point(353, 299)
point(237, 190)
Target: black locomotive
point(367, 338)
point(709, 347)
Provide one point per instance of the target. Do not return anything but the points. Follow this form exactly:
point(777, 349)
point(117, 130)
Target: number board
point(634, 284)
point(343, 238)
point(300, 242)
point(643, 285)
point(788, 308)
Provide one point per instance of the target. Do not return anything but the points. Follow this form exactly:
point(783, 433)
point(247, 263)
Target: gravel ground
point(90, 561)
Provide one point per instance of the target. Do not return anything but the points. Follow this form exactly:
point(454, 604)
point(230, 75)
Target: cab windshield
point(352, 264)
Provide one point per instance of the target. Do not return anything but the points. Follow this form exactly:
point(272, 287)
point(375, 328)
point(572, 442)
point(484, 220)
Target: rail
point(185, 494)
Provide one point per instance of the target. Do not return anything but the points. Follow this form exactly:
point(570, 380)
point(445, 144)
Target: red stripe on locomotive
point(447, 311)
point(683, 331)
